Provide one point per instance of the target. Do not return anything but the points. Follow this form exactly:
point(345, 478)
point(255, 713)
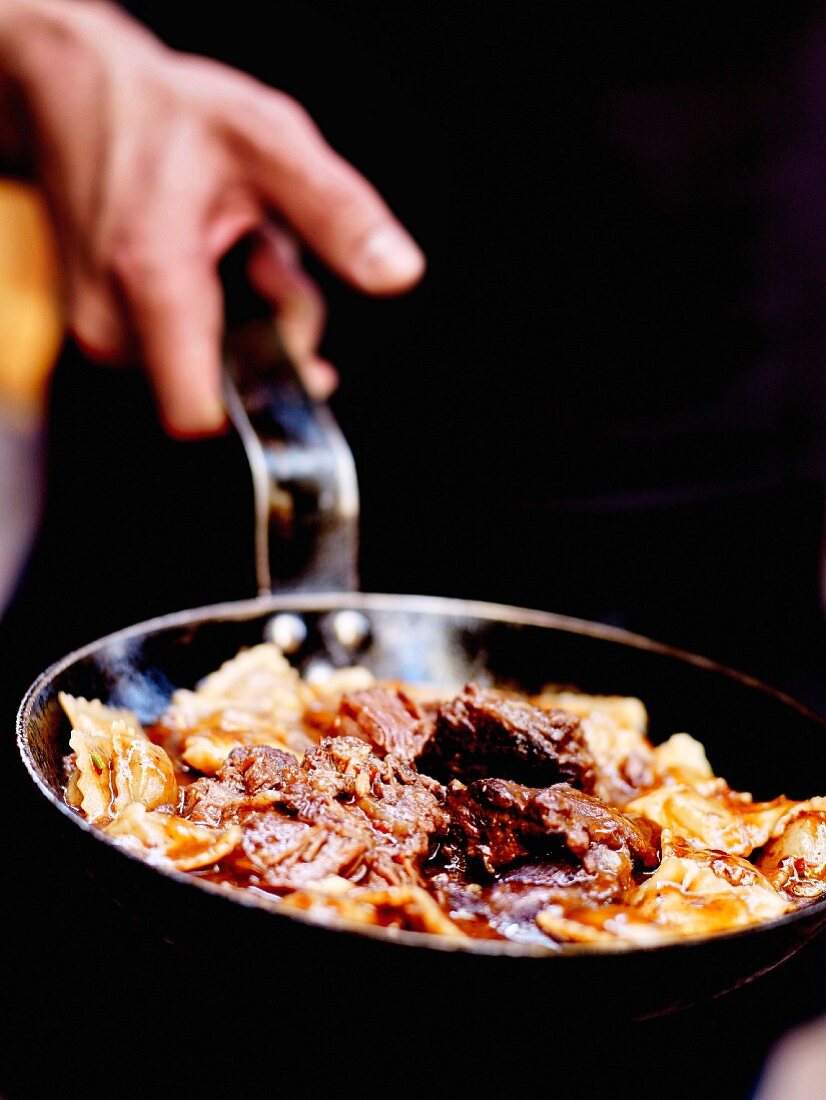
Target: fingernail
point(320, 378)
point(388, 260)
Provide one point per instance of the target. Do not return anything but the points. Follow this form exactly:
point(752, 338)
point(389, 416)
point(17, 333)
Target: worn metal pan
point(760, 740)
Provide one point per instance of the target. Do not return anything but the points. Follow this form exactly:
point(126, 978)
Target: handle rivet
point(287, 631)
point(352, 629)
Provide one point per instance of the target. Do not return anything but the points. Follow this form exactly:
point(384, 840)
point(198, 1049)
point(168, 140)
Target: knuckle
point(134, 260)
point(287, 110)
point(143, 265)
point(272, 123)
point(87, 309)
point(98, 333)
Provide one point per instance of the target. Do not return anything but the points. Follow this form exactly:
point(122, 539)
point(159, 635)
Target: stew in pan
point(483, 813)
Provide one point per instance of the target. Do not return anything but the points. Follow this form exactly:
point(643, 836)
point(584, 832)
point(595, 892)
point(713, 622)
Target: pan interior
point(758, 740)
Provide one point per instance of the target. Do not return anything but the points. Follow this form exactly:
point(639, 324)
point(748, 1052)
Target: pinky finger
point(320, 377)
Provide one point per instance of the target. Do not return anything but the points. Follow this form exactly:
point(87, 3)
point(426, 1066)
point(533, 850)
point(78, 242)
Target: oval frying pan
point(760, 740)
point(757, 738)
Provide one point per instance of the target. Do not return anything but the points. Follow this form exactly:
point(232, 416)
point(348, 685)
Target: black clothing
point(607, 398)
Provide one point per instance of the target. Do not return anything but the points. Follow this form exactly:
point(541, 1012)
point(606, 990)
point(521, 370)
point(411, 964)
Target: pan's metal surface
point(759, 739)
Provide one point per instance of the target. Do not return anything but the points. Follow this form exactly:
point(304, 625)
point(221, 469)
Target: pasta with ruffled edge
point(724, 860)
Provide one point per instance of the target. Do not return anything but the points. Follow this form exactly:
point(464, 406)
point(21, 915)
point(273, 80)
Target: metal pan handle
point(304, 477)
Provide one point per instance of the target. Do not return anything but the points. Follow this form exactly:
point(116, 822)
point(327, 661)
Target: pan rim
point(241, 610)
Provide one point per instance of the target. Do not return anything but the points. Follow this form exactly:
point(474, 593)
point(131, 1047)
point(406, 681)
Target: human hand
point(154, 164)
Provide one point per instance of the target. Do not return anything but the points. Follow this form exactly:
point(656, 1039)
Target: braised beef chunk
point(389, 721)
point(493, 852)
point(209, 802)
point(498, 823)
point(257, 777)
point(587, 822)
point(482, 732)
point(286, 854)
point(400, 804)
point(506, 907)
point(519, 894)
point(490, 823)
point(261, 768)
point(341, 810)
point(513, 850)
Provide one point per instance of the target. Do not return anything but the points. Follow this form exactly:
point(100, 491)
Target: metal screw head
point(287, 631)
point(351, 629)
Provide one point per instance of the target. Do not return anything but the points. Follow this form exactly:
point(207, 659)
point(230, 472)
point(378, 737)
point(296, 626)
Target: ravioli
point(549, 819)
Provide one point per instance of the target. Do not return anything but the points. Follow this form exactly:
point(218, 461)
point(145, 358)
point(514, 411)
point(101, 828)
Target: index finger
point(330, 205)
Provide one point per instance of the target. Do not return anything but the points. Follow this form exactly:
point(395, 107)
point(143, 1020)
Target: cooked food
point(485, 813)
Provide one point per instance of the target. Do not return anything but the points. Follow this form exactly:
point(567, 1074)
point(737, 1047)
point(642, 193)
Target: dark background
point(607, 397)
